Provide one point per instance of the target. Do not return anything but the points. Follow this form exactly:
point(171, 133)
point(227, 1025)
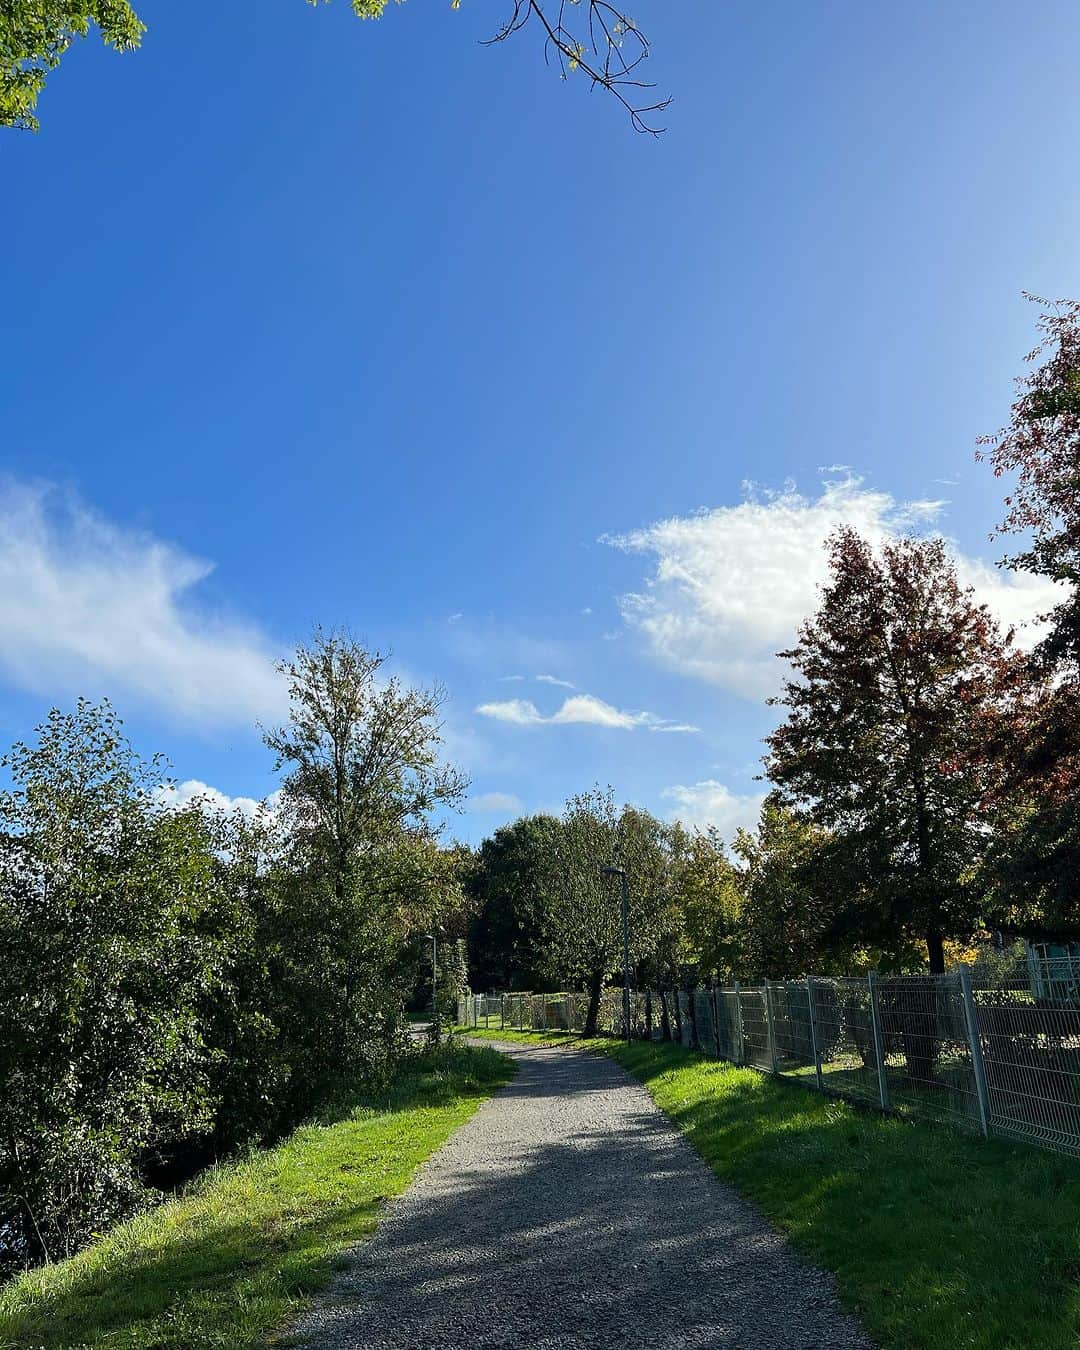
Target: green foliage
point(505, 883)
point(363, 875)
point(788, 921)
point(175, 984)
point(701, 935)
point(104, 964)
point(234, 1256)
point(583, 928)
point(35, 34)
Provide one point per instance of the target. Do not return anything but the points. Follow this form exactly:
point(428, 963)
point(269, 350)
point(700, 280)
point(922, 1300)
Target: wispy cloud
point(581, 709)
point(539, 679)
point(89, 607)
point(495, 803)
point(730, 586)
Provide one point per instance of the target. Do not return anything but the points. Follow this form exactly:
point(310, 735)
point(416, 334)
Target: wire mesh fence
point(1000, 1057)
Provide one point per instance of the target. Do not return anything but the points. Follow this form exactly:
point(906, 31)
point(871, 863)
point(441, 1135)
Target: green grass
point(937, 1240)
point(233, 1258)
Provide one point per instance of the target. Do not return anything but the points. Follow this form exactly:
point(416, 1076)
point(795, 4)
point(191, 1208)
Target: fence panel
point(1029, 1033)
point(756, 1048)
point(727, 1025)
point(704, 1030)
point(924, 1033)
point(844, 1033)
point(792, 1041)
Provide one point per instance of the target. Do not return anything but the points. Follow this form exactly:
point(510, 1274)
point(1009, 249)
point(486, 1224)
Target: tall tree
point(584, 937)
point(366, 876)
point(1035, 872)
point(595, 39)
point(891, 678)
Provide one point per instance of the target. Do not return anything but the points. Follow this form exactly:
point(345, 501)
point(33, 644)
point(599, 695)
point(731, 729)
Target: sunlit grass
point(937, 1240)
point(234, 1257)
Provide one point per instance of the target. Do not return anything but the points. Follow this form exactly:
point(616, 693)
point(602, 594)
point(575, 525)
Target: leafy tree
point(104, 967)
point(508, 896)
point(1034, 871)
point(702, 935)
point(584, 942)
point(790, 924)
point(364, 874)
point(595, 39)
point(892, 679)
point(35, 34)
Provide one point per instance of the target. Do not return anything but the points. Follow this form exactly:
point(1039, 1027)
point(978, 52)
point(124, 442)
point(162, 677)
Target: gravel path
point(568, 1212)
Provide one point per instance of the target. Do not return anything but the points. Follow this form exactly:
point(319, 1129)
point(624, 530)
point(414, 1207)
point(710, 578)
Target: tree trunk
point(596, 985)
point(935, 950)
point(665, 1020)
point(648, 1014)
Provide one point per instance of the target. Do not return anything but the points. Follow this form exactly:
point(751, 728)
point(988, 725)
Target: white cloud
point(539, 679)
point(86, 606)
point(732, 585)
point(495, 803)
point(700, 805)
point(583, 709)
point(179, 795)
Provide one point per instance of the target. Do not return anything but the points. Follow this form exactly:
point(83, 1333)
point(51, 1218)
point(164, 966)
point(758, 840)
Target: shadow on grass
point(229, 1259)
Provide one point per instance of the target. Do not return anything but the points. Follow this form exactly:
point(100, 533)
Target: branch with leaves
point(591, 36)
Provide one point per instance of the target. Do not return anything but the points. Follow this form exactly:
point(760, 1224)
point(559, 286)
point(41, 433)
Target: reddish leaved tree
point(893, 679)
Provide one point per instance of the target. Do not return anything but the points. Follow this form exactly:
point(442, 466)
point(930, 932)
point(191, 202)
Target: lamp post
point(434, 986)
point(625, 896)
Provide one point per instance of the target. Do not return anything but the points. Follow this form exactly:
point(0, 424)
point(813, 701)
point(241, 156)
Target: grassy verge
point(937, 1240)
point(233, 1257)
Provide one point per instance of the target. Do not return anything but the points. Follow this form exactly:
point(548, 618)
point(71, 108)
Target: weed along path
point(569, 1212)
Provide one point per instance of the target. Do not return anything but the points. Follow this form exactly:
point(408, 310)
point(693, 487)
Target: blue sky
point(315, 321)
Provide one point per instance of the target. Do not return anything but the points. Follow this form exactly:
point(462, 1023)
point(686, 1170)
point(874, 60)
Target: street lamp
point(624, 892)
point(434, 985)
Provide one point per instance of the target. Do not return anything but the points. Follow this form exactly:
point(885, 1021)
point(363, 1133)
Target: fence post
point(770, 1026)
point(813, 1032)
point(879, 1041)
point(567, 1012)
point(740, 1047)
point(716, 1019)
point(976, 1051)
point(502, 1012)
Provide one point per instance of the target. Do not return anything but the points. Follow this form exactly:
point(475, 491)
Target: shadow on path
point(569, 1212)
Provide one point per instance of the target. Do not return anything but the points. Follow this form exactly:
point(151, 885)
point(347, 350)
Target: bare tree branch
point(605, 44)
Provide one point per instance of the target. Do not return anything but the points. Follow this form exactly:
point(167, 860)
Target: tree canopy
point(885, 713)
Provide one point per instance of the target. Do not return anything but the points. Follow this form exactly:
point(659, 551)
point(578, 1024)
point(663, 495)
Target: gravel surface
point(569, 1212)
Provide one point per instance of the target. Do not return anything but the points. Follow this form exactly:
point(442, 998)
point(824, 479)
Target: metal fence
point(1000, 1057)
